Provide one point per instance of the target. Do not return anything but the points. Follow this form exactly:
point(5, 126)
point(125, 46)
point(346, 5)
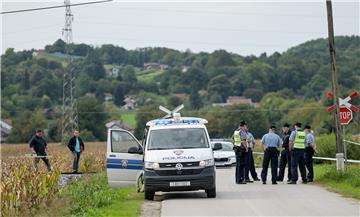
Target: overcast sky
point(240, 27)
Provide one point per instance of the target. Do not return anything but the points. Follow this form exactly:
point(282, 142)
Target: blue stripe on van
point(129, 167)
point(119, 161)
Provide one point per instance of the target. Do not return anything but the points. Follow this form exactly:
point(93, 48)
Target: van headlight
point(206, 163)
point(151, 165)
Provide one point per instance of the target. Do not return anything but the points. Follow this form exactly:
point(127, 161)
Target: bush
point(326, 147)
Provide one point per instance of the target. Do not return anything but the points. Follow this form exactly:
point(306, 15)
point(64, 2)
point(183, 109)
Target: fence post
point(340, 166)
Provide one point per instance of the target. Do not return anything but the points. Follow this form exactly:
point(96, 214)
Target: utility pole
point(69, 110)
point(339, 141)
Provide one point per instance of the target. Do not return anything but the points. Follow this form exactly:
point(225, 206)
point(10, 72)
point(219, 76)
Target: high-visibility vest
point(299, 141)
point(237, 138)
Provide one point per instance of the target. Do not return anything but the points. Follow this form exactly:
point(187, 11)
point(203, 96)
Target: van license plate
point(178, 184)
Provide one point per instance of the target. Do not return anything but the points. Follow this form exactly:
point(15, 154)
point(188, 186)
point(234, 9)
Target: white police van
point(175, 155)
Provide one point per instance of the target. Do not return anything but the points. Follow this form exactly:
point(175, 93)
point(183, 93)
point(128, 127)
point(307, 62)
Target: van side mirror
point(217, 146)
point(135, 150)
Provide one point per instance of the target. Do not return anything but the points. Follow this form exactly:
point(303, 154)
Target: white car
point(226, 155)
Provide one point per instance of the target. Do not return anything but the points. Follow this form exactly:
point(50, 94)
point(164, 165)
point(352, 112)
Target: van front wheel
point(149, 195)
point(211, 193)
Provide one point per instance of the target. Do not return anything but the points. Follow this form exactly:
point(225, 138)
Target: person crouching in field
point(76, 146)
point(38, 146)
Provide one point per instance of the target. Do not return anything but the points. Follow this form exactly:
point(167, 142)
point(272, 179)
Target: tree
point(195, 100)
point(174, 101)
point(223, 121)
point(119, 94)
point(254, 94)
point(145, 114)
point(220, 85)
point(92, 116)
point(128, 75)
point(25, 125)
point(58, 46)
point(220, 58)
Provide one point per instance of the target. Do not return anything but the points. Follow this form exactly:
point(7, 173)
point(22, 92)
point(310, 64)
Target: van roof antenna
point(170, 114)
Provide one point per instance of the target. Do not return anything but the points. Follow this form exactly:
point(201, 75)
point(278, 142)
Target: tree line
point(299, 77)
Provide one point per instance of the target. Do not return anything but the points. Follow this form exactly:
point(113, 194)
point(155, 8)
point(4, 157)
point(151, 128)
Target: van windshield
point(179, 138)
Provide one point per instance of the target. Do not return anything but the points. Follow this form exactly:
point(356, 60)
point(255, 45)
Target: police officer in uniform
point(285, 157)
point(240, 148)
point(250, 167)
point(309, 152)
point(271, 142)
point(297, 146)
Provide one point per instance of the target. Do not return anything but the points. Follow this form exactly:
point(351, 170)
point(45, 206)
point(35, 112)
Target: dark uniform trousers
point(298, 160)
point(271, 154)
point(250, 167)
point(241, 162)
point(285, 158)
point(309, 153)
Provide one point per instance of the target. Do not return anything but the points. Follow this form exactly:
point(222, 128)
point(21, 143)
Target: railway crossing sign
point(346, 108)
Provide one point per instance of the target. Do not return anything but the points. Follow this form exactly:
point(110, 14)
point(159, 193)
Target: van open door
point(124, 158)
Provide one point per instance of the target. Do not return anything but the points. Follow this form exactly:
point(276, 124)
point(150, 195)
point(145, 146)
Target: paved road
point(256, 199)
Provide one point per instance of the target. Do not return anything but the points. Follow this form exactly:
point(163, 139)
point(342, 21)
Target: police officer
point(271, 142)
point(297, 146)
point(310, 148)
point(285, 157)
point(240, 148)
point(250, 167)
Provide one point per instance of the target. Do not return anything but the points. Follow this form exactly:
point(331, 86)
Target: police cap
point(242, 123)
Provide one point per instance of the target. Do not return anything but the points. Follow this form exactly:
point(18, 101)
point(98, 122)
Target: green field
point(147, 75)
point(50, 57)
point(129, 118)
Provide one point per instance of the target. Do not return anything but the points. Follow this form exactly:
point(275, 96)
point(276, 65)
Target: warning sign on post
point(345, 115)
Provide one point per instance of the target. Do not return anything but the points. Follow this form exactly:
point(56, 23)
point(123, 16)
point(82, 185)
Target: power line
point(52, 7)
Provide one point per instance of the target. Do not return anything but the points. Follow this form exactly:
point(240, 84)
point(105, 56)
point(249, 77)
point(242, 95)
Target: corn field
point(23, 189)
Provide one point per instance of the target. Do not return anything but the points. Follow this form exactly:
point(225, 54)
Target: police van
point(175, 155)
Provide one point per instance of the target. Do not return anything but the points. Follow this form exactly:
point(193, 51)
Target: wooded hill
point(31, 81)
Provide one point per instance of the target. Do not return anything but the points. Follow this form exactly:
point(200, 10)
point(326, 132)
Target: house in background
point(108, 97)
point(235, 100)
point(157, 66)
point(119, 125)
point(6, 127)
point(115, 71)
point(130, 103)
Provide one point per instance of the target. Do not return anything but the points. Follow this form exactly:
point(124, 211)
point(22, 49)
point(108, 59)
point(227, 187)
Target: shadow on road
point(160, 196)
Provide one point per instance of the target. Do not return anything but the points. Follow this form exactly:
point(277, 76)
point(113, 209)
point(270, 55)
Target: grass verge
point(346, 183)
point(92, 196)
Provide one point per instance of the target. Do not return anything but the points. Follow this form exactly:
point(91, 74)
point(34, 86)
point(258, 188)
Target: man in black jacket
point(39, 146)
point(285, 155)
point(76, 146)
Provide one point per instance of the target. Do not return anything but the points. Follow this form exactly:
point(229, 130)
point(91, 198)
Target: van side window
point(121, 141)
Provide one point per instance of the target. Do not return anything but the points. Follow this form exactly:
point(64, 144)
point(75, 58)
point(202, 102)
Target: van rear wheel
point(149, 195)
point(211, 193)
